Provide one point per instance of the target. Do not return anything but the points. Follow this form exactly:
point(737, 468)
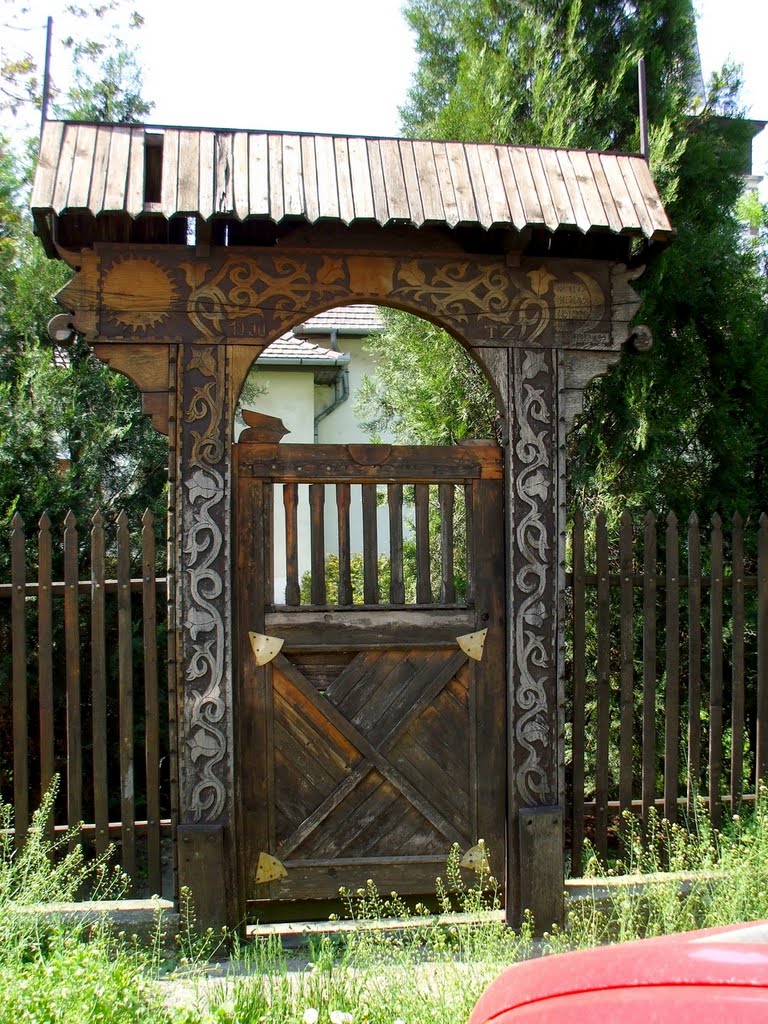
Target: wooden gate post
point(535, 488)
point(540, 391)
point(202, 488)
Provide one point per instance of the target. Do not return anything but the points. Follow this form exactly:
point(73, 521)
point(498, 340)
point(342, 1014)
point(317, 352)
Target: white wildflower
point(310, 1015)
point(340, 1017)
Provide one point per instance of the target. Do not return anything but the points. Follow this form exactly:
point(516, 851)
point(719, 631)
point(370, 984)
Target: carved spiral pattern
point(204, 627)
point(533, 484)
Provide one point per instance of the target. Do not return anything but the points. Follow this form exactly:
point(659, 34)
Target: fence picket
point(694, 662)
point(737, 662)
point(72, 644)
point(317, 542)
point(446, 501)
point(579, 695)
point(649, 666)
point(343, 500)
point(603, 685)
point(396, 581)
point(423, 582)
point(370, 545)
point(626, 725)
point(291, 506)
point(99, 686)
point(151, 702)
point(19, 687)
point(761, 756)
point(716, 671)
point(672, 696)
point(45, 657)
point(125, 678)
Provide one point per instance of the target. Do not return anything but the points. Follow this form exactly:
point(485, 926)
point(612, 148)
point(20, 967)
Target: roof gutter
point(361, 332)
point(342, 361)
point(340, 395)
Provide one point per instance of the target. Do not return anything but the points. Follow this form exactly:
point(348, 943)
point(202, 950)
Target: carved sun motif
point(138, 294)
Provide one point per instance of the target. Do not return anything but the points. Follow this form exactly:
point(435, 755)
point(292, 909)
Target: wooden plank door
point(372, 743)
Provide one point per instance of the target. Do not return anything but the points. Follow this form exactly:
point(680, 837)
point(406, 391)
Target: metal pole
point(46, 77)
point(643, 97)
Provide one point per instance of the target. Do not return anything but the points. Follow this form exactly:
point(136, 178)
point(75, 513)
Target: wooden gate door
point(371, 743)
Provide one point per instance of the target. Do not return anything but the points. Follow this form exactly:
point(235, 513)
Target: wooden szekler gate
point(372, 742)
point(526, 256)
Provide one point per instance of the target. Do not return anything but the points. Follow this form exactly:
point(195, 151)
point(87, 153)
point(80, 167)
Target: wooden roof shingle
point(248, 174)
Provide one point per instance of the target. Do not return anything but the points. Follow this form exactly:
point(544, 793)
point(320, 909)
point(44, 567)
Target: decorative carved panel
point(203, 495)
point(533, 474)
point(161, 294)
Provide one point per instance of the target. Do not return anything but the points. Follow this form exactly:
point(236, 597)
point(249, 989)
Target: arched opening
point(364, 374)
point(371, 584)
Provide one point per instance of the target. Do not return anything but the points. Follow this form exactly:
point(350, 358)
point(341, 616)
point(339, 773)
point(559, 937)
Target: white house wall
point(292, 396)
point(342, 426)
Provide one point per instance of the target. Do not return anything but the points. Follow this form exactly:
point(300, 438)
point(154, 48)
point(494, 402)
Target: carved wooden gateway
point(324, 738)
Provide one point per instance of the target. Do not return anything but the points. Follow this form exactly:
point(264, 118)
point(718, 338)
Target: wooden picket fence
point(666, 696)
point(87, 688)
point(668, 684)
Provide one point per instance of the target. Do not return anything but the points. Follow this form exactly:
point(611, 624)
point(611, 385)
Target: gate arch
point(378, 732)
point(522, 253)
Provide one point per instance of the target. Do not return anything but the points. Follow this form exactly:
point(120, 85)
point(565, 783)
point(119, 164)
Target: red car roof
point(714, 960)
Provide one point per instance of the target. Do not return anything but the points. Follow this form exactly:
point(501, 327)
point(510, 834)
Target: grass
point(428, 973)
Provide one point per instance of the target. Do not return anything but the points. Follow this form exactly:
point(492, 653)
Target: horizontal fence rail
point(667, 703)
point(83, 690)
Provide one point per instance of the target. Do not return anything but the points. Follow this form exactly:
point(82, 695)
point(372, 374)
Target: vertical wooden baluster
point(19, 689)
point(469, 532)
point(761, 757)
point(151, 702)
point(99, 686)
point(579, 693)
point(737, 677)
point(396, 581)
point(716, 672)
point(268, 526)
point(672, 695)
point(694, 661)
point(649, 665)
point(291, 507)
point(603, 687)
point(72, 644)
point(626, 569)
point(125, 686)
point(423, 581)
point(343, 501)
point(370, 545)
point(45, 659)
point(317, 542)
point(446, 502)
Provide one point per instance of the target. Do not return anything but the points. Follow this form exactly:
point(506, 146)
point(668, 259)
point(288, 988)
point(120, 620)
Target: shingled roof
point(290, 350)
point(246, 175)
point(362, 318)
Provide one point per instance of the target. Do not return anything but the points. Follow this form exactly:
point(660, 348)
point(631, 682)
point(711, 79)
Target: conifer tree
point(684, 426)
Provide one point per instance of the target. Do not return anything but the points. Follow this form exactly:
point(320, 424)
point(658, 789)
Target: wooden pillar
point(207, 815)
point(535, 484)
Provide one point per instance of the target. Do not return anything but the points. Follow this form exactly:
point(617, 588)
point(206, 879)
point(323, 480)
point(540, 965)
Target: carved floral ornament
point(156, 294)
point(534, 461)
point(203, 569)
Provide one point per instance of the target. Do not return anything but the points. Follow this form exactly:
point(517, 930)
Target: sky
point(338, 66)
